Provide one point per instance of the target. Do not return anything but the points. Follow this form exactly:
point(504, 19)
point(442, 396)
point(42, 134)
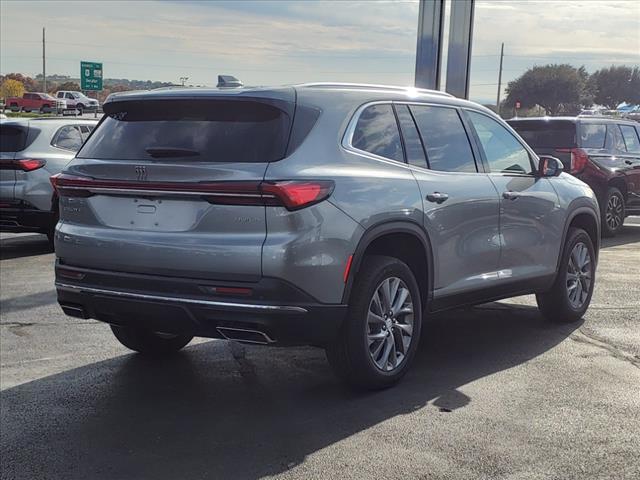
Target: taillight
point(296, 194)
point(25, 164)
point(579, 158)
point(291, 194)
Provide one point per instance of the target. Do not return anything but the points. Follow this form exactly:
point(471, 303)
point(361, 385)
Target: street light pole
point(44, 71)
point(500, 80)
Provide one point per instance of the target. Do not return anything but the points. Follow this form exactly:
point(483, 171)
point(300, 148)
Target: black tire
point(45, 108)
point(555, 304)
point(148, 342)
point(613, 212)
point(349, 353)
point(80, 108)
point(14, 107)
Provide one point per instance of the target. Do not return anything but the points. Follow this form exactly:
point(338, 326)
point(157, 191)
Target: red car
point(34, 101)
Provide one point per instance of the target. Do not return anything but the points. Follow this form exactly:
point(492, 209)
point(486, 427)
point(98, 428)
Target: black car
point(602, 152)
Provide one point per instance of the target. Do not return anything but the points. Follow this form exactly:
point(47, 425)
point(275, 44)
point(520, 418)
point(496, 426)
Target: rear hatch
point(13, 138)
point(548, 137)
point(168, 184)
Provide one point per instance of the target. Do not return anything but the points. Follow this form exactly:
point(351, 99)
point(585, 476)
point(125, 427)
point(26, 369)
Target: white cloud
point(284, 42)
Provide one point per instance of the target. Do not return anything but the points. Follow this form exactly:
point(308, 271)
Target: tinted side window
point(444, 139)
point(69, 138)
point(592, 135)
point(630, 138)
point(504, 153)
point(85, 130)
point(614, 139)
point(412, 143)
point(377, 132)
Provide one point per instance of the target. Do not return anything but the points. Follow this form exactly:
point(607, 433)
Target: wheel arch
point(586, 218)
point(620, 183)
point(400, 239)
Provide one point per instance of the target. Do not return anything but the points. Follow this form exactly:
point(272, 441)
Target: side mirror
point(549, 166)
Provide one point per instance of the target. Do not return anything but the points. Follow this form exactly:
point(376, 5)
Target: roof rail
point(372, 86)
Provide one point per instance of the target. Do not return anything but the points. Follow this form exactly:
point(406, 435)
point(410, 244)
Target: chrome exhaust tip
point(245, 335)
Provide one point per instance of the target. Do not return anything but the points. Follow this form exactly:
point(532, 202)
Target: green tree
point(615, 85)
point(556, 88)
point(11, 88)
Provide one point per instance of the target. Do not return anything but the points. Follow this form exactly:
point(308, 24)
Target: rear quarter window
point(202, 130)
point(377, 132)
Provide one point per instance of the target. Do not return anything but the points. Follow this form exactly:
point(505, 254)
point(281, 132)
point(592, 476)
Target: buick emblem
point(141, 172)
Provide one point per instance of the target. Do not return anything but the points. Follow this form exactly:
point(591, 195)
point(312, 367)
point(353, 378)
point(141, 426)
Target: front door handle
point(509, 195)
point(437, 197)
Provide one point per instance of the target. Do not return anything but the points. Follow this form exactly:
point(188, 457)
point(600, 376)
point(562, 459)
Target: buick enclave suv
point(331, 215)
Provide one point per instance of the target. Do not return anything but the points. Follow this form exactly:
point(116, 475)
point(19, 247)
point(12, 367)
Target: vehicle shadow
point(628, 234)
point(27, 246)
point(222, 410)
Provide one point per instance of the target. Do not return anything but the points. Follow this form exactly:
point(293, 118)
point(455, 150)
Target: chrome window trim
point(351, 126)
point(193, 301)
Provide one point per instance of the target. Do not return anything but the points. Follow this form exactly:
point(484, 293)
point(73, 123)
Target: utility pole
point(500, 80)
point(44, 71)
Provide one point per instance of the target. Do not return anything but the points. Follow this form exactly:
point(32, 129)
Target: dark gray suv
point(331, 215)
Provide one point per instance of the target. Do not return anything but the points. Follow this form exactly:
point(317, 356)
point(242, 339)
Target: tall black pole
point(44, 70)
point(500, 80)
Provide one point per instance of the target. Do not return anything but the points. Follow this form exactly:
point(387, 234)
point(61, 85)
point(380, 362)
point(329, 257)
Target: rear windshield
point(195, 131)
point(546, 133)
point(13, 138)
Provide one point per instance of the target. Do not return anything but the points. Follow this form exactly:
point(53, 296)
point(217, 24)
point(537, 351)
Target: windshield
point(546, 133)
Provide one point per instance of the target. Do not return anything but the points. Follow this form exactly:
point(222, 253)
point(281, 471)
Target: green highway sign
point(90, 76)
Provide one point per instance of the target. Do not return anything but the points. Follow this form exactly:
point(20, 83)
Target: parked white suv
point(78, 100)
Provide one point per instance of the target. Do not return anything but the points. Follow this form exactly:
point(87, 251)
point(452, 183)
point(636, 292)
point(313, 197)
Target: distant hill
point(108, 82)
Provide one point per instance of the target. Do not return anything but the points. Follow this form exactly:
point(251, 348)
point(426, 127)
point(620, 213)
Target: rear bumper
point(179, 306)
point(26, 220)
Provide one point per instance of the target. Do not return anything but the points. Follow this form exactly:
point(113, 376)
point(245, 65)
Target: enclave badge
point(141, 172)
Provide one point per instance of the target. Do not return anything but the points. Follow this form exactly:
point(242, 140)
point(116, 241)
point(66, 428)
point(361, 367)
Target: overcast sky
point(280, 42)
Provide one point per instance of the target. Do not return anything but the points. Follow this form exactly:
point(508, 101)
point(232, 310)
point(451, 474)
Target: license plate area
point(149, 214)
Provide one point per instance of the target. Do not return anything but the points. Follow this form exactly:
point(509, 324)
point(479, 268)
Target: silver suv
point(31, 150)
point(330, 215)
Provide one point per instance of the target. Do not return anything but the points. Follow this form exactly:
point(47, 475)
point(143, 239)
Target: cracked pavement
point(495, 392)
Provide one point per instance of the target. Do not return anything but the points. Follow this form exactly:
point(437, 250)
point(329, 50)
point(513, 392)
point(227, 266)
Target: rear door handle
point(437, 197)
point(509, 195)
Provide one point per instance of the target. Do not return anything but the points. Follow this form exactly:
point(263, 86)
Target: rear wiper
point(166, 152)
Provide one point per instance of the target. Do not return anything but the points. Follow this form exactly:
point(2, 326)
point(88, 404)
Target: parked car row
point(44, 103)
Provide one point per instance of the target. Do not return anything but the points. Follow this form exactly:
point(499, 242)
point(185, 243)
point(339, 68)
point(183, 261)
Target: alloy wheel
point(390, 324)
point(613, 215)
point(579, 275)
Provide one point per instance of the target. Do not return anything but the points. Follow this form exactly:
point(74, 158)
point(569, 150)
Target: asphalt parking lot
point(494, 393)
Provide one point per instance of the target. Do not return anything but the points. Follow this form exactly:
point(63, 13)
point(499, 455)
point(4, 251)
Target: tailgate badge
point(141, 172)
